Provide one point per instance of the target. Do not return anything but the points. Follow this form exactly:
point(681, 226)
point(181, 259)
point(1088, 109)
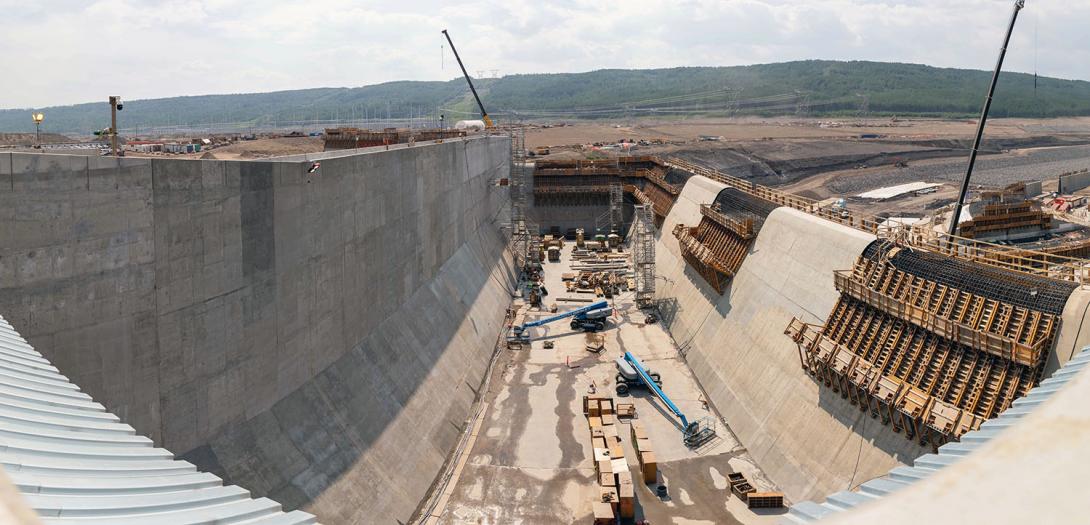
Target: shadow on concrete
point(869, 429)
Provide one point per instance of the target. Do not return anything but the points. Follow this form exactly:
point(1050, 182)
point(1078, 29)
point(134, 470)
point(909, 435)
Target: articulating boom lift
point(590, 318)
point(695, 433)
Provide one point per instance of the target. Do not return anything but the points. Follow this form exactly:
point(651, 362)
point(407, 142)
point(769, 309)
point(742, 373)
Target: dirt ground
point(753, 128)
point(249, 149)
point(29, 139)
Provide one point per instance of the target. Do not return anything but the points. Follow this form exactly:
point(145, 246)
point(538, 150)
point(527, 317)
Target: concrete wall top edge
point(324, 155)
point(307, 157)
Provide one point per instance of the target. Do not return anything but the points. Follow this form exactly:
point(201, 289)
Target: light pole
point(115, 106)
point(38, 118)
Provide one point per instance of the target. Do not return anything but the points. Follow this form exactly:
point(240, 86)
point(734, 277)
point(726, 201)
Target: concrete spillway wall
point(314, 337)
point(806, 438)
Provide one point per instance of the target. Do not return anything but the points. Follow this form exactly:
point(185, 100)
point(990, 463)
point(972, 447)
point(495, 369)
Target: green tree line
point(817, 87)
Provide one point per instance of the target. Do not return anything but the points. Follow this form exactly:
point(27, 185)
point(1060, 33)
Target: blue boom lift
point(695, 433)
point(591, 318)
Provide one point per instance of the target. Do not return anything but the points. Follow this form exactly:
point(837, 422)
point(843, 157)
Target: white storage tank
point(470, 125)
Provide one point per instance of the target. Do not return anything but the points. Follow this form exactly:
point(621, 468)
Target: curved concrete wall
point(1074, 332)
point(807, 439)
point(1041, 443)
point(314, 337)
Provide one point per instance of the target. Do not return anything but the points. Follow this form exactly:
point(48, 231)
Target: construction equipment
point(628, 378)
point(590, 318)
point(954, 217)
point(695, 433)
point(484, 114)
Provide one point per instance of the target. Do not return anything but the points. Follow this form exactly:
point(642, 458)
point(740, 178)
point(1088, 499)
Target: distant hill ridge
point(817, 87)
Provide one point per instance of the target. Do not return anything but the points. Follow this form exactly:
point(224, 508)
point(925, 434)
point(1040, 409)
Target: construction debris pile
point(601, 274)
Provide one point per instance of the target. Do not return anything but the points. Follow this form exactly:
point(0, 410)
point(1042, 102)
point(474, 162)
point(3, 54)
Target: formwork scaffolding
point(524, 245)
point(643, 254)
point(933, 349)
point(614, 217)
point(616, 200)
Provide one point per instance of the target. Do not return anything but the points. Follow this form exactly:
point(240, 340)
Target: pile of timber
point(604, 283)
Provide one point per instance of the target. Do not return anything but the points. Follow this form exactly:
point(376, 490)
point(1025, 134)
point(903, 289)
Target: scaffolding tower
point(524, 246)
point(616, 213)
point(643, 254)
point(612, 221)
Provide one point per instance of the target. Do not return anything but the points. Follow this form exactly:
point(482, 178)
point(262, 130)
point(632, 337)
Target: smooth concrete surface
point(1031, 472)
point(74, 462)
point(1074, 332)
point(805, 437)
point(314, 337)
point(1073, 182)
point(593, 219)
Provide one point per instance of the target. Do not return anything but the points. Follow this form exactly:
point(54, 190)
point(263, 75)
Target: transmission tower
point(864, 104)
point(802, 103)
point(733, 105)
point(643, 254)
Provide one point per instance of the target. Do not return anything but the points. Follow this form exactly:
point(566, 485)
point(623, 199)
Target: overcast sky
point(70, 51)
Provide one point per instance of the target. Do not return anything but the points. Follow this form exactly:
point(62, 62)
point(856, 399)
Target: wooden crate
point(627, 505)
point(765, 500)
point(596, 398)
point(616, 451)
point(609, 495)
point(739, 485)
point(603, 513)
point(649, 467)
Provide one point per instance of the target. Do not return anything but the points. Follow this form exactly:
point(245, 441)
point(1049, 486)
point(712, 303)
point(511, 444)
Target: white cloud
point(68, 51)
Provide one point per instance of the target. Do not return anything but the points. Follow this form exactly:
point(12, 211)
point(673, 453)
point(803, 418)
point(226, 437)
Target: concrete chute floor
point(531, 460)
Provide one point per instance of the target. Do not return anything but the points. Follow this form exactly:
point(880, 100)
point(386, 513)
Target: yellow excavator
point(484, 114)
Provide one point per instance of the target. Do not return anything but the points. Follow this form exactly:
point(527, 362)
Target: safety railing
point(923, 237)
point(742, 228)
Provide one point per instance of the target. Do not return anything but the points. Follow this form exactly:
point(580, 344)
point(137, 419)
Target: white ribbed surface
point(76, 463)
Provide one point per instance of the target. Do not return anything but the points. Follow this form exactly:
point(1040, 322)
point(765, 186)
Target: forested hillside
point(811, 87)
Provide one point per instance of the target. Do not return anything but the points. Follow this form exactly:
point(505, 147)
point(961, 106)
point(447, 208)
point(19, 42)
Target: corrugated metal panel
point(950, 453)
point(75, 462)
